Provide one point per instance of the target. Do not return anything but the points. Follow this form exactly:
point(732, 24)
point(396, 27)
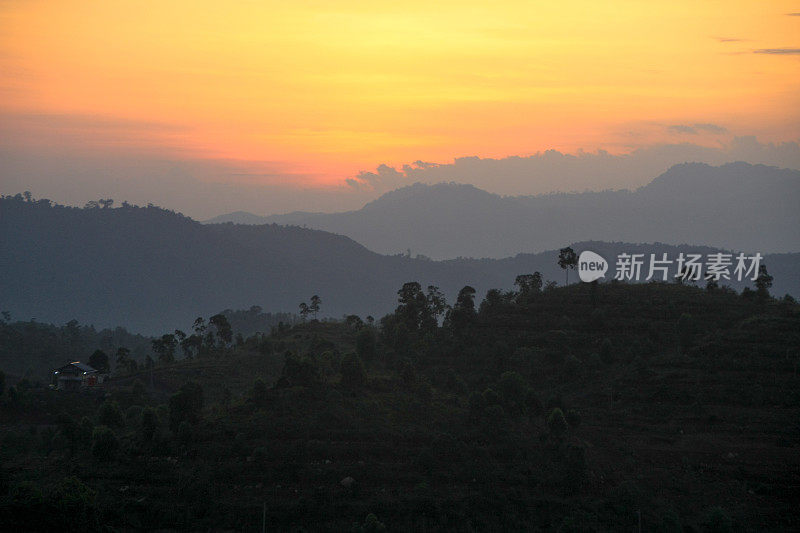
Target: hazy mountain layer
point(742, 206)
point(152, 270)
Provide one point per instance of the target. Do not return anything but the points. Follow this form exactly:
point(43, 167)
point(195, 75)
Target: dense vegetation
point(584, 408)
point(30, 349)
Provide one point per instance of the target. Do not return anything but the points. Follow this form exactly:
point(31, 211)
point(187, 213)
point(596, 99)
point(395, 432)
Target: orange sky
point(316, 91)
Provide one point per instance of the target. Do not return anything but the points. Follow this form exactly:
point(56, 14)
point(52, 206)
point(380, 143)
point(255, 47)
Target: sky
point(210, 107)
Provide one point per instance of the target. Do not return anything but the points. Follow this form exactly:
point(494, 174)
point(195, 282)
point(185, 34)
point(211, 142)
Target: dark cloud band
point(778, 51)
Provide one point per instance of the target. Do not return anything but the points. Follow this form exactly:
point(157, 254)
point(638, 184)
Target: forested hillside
point(593, 407)
point(149, 269)
point(32, 349)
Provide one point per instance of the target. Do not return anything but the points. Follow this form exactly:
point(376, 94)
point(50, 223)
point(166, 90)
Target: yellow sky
point(325, 89)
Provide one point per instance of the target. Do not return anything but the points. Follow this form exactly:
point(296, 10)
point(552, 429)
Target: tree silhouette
point(199, 326)
point(763, 281)
point(165, 347)
point(567, 259)
point(304, 310)
point(436, 302)
point(99, 361)
point(223, 327)
point(528, 284)
point(463, 314)
point(314, 307)
point(123, 357)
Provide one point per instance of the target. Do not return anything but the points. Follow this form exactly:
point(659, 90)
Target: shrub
point(490, 397)
point(606, 352)
point(149, 424)
point(133, 413)
point(111, 415)
point(104, 443)
point(185, 405)
point(475, 401)
point(573, 418)
point(685, 329)
point(554, 400)
point(260, 455)
point(259, 393)
point(74, 499)
point(556, 422)
point(25, 501)
point(371, 525)
point(239, 445)
point(670, 523)
point(533, 405)
point(366, 344)
point(495, 413)
point(353, 373)
point(512, 389)
point(572, 366)
point(185, 433)
point(85, 429)
point(138, 389)
point(408, 373)
point(300, 370)
point(718, 521)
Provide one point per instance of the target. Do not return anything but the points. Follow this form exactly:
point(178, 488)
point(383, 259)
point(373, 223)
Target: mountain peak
point(691, 176)
point(440, 192)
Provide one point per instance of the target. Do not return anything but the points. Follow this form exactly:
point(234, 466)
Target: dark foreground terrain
point(585, 408)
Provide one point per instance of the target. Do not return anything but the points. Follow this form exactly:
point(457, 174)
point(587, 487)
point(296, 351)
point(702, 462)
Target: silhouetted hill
point(153, 270)
point(738, 205)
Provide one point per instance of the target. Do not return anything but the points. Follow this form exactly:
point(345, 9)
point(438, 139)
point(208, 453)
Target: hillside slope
point(580, 409)
point(153, 270)
point(737, 205)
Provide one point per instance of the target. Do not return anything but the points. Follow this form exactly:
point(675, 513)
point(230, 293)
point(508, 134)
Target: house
point(76, 376)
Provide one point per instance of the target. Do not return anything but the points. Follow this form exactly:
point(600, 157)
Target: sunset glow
point(314, 92)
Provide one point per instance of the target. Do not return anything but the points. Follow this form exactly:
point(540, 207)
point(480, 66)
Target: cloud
point(202, 188)
point(694, 129)
point(778, 51)
point(793, 14)
point(681, 128)
point(383, 179)
point(711, 128)
point(730, 40)
point(89, 157)
point(555, 171)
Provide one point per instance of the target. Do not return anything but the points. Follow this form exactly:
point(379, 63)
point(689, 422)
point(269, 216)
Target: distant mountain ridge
point(153, 270)
point(737, 205)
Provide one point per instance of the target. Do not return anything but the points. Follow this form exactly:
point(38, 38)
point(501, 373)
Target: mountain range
point(154, 270)
point(734, 206)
